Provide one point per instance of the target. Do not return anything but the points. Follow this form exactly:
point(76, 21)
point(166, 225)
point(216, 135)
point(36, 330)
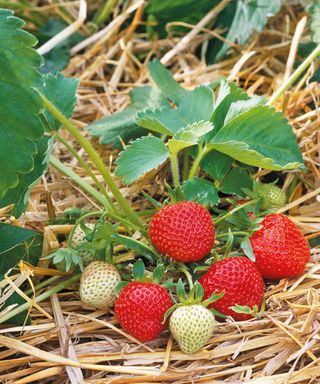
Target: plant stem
point(40, 298)
point(228, 233)
point(78, 180)
point(132, 216)
point(230, 213)
point(104, 12)
point(175, 170)
point(302, 67)
point(201, 153)
point(88, 170)
point(43, 284)
point(185, 165)
point(184, 270)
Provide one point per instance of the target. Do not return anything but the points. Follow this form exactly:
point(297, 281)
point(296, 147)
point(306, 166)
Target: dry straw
point(67, 343)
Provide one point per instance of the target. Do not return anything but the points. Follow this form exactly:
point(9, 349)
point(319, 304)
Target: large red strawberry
point(279, 247)
point(183, 231)
point(241, 282)
point(140, 309)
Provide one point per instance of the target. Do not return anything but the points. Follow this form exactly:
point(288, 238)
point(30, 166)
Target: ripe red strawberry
point(140, 309)
point(279, 247)
point(241, 282)
point(183, 231)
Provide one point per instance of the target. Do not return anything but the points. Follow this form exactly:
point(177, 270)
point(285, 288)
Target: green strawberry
point(192, 326)
point(97, 285)
point(79, 239)
point(191, 323)
point(271, 196)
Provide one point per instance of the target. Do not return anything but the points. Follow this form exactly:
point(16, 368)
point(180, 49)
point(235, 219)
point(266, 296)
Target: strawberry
point(97, 285)
point(141, 306)
point(191, 323)
point(271, 196)
point(183, 231)
point(79, 239)
point(279, 247)
point(241, 282)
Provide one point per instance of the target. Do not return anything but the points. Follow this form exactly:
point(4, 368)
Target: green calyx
point(254, 311)
point(195, 296)
point(139, 275)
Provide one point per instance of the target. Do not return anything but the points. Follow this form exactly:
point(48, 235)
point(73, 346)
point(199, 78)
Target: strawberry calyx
point(254, 311)
point(194, 297)
point(140, 276)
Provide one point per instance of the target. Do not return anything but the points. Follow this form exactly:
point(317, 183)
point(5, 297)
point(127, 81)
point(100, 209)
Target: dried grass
point(67, 343)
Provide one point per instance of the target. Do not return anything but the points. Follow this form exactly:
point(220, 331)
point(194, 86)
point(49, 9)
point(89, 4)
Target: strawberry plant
point(213, 139)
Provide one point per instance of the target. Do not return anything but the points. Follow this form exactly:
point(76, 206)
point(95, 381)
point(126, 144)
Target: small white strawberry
point(97, 285)
point(78, 239)
point(191, 323)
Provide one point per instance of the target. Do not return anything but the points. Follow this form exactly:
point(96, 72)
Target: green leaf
point(58, 57)
point(61, 91)
point(196, 106)
point(228, 94)
point(247, 249)
point(15, 298)
point(237, 179)
point(216, 164)
point(20, 125)
point(138, 270)
point(260, 137)
point(19, 195)
point(314, 21)
point(166, 83)
point(140, 157)
point(140, 248)
point(18, 243)
point(250, 16)
point(240, 106)
point(158, 273)
point(122, 125)
point(188, 136)
point(201, 191)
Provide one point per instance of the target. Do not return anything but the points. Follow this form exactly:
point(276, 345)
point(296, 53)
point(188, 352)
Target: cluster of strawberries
point(185, 232)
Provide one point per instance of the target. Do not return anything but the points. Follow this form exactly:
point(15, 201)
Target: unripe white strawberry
point(97, 285)
point(192, 326)
point(78, 239)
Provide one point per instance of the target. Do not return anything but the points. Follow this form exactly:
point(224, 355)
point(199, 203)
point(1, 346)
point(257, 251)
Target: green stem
point(40, 298)
point(86, 145)
point(175, 170)
point(185, 167)
point(43, 284)
point(79, 221)
point(228, 233)
point(184, 270)
point(78, 180)
point(302, 67)
point(201, 153)
point(104, 12)
point(85, 166)
point(230, 213)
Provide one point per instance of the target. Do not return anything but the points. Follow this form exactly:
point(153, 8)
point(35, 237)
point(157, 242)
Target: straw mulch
point(68, 343)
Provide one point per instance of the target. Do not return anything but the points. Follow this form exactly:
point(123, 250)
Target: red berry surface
point(183, 231)
point(140, 310)
point(241, 282)
point(279, 247)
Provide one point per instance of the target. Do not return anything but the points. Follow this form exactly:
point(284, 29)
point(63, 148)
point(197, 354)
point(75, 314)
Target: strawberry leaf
point(140, 157)
point(247, 249)
point(240, 106)
point(236, 179)
point(250, 16)
point(260, 137)
point(188, 136)
point(216, 164)
point(20, 124)
point(201, 191)
point(166, 83)
point(196, 106)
